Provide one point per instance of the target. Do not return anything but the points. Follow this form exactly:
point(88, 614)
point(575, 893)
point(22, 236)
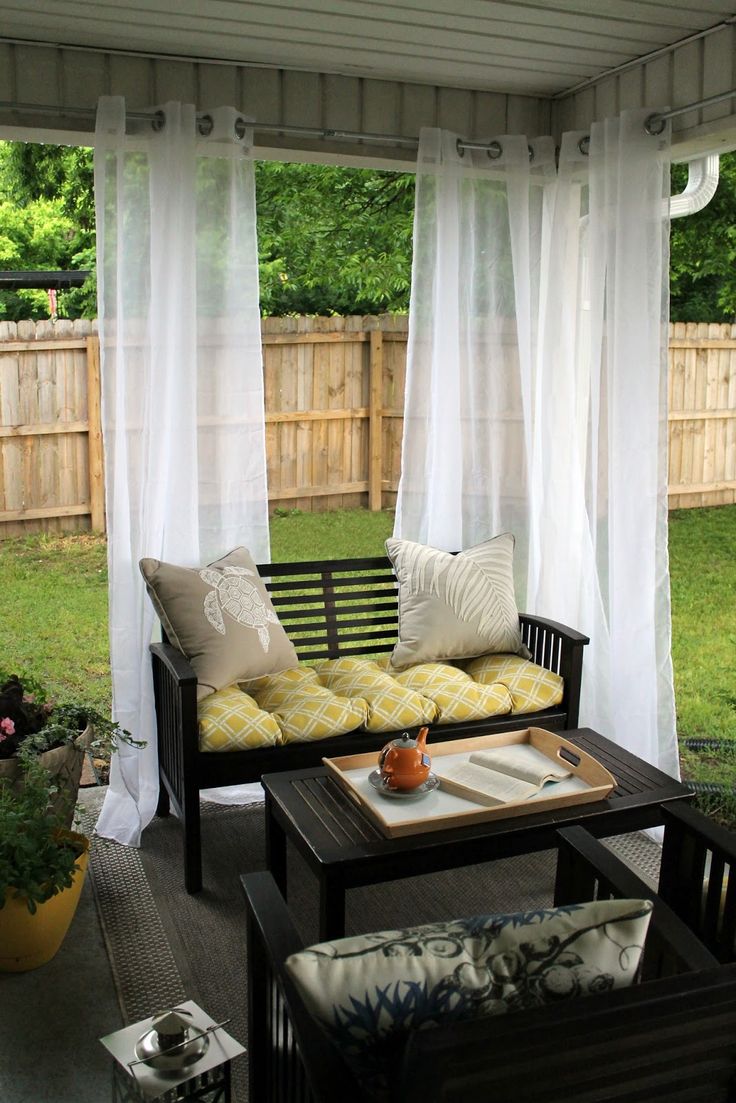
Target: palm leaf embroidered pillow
point(455, 606)
point(221, 618)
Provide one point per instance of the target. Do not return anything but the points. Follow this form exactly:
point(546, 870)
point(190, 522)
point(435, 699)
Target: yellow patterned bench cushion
point(391, 706)
point(305, 710)
point(230, 720)
point(337, 696)
point(531, 687)
point(457, 697)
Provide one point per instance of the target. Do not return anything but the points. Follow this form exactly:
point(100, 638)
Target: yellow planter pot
point(28, 941)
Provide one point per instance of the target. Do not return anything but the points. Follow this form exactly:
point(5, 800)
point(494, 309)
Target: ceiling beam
point(73, 79)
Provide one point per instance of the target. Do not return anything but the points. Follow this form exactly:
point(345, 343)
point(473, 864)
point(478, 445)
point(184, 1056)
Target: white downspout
point(702, 181)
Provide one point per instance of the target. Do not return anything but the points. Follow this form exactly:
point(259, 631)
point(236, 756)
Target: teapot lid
point(404, 742)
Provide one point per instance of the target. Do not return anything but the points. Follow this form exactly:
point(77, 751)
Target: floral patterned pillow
point(368, 991)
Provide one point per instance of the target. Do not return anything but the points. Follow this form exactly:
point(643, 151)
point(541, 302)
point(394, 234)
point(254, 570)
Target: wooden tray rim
point(589, 769)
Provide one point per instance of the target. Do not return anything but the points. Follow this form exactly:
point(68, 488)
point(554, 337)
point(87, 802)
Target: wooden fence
point(334, 396)
point(334, 417)
point(51, 472)
point(702, 415)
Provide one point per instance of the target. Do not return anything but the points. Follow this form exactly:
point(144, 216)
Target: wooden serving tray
point(441, 810)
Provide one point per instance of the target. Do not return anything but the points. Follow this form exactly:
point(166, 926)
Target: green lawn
point(338, 535)
point(703, 572)
point(55, 617)
point(56, 595)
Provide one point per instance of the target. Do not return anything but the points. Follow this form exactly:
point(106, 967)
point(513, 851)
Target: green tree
point(333, 240)
point(37, 171)
point(703, 253)
point(46, 221)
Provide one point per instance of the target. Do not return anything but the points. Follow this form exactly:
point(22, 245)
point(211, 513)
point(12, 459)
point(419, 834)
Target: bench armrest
point(671, 1040)
point(698, 857)
point(280, 1029)
point(560, 649)
point(177, 667)
point(555, 626)
point(175, 694)
point(588, 870)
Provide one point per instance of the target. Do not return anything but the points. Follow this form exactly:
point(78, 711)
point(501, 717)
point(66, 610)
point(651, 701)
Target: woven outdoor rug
point(166, 946)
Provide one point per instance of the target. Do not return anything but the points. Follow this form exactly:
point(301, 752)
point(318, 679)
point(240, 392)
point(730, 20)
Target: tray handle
point(571, 758)
point(557, 747)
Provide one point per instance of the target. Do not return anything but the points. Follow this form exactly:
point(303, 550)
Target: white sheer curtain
point(536, 394)
point(182, 387)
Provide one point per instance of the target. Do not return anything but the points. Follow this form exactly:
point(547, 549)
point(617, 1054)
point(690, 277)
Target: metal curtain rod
point(204, 125)
point(653, 125)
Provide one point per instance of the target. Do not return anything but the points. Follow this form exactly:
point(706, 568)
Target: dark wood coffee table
point(345, 850)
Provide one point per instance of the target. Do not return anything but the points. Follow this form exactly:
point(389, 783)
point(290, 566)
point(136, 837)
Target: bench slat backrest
point(331, 608)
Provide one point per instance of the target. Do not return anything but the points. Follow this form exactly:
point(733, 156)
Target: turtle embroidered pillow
point(455, 606)
point(221, 618)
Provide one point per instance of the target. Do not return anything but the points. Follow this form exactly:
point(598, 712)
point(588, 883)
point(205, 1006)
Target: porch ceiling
point(309, 71)
point(540, 47)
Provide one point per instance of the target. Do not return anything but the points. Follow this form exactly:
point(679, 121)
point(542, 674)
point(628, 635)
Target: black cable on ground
point(697, 743)
point(713, 787)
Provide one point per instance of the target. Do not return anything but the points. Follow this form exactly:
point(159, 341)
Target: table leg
point(275, 848)
point(331, 909)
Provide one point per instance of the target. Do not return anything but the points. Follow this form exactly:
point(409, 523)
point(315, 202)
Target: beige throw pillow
point(221, 618)
point(455, 606)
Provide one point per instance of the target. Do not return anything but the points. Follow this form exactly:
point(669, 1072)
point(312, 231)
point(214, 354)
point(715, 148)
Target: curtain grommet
point(654, 125)
point(493, 150)
point(205, 125)
point(158, 121)
point(584, 144)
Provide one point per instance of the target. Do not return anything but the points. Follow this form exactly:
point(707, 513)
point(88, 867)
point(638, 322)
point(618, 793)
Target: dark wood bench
point(671, 1037)
point(329, 609)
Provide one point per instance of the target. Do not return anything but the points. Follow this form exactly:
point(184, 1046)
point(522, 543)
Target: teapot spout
point(422, 738)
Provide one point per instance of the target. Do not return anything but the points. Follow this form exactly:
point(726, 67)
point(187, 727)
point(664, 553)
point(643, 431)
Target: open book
point(500, 776)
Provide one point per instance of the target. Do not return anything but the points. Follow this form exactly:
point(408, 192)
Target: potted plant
point(57, 734)
point(42, 867)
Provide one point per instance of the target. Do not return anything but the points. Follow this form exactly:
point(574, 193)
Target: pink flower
point(7, 727)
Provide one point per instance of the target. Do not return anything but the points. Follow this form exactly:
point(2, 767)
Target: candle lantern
point(179, 1054)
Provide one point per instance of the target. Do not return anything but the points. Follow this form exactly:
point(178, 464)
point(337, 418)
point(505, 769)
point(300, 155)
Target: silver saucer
point(427, 786)
point(148, 1049)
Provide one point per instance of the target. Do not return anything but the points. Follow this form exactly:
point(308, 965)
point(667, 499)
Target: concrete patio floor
point(51, 1019)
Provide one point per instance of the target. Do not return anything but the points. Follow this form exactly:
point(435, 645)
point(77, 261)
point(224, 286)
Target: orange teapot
point(404, 762)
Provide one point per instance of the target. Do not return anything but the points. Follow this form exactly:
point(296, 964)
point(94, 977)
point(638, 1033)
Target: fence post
point(94, 437)
point(375, 422)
